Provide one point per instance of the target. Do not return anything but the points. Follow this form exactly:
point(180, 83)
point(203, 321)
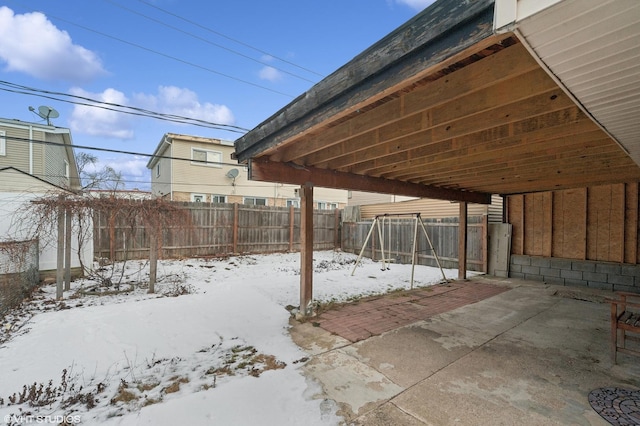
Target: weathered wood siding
point(597, 223)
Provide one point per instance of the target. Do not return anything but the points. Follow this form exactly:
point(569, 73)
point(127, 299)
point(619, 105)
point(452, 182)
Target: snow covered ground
point(210, 347)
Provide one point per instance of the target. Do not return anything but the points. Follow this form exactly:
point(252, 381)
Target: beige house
point(368, 205)
point(198, 169)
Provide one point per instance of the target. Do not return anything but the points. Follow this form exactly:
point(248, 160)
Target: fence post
point(485, 243)
point(67, 250)
point(60, 249)
point(336, 230)
point(292, 220)
point(236, 216)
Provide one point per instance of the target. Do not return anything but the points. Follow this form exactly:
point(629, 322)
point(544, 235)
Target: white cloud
point(270, 74)
point(185, 103)
point(416, 4)
point(99, 121)
point(30, 43)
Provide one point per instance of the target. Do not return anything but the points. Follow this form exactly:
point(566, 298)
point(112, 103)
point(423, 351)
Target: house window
point(255, 201)
point(322, 205)
point(205, 157)
point(333, 206)
point(198, 198)
point(158, 170)
point(66, 169)
point(295, 202)
point(218, 198)
point(3, 143)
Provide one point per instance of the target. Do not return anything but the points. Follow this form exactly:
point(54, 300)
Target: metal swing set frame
point(378, 223)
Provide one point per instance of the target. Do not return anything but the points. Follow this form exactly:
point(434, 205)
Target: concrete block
point(550, 272)
point(628, 288)
point(519, 275)
point(553, 280)
point(580, 265)
point(608, 268)
point(530, 270)
point(560, 263)
point(520, 260)
point(594, 276)
point(534, 277)
point(515, 268)
point(572, 275)
point(542, 262)
point(621, 279)
point(575, 283)
point(600, 285)
point(632, 270)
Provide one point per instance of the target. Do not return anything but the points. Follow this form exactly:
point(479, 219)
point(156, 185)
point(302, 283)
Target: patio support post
point(462, 242)
point(306, 248)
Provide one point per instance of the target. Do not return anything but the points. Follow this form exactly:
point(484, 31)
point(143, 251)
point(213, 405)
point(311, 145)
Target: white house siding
point(161, 185)
point(24, 189)
point(54, 161)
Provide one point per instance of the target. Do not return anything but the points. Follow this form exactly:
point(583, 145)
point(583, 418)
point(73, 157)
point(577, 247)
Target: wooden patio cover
point(444, 107)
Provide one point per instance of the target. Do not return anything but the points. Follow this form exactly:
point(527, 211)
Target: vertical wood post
point(485, 243)
point(462, 242)
point(292, 220)
point(306, 248)
point(67, 250)
point(60, 251)
point(153, 256)
point(336, 230)
point(236, 216)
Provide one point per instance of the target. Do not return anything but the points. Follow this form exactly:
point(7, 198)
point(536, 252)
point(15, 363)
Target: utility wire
point(26, 90)
point(229, 38)
point(165, 55)
point(205, 40)
point(118, 151)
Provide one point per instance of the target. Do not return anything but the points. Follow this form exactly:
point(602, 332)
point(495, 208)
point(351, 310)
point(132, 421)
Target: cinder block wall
point(584, 273)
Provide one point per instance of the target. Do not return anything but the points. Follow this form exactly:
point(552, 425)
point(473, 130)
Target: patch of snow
point(219, 353)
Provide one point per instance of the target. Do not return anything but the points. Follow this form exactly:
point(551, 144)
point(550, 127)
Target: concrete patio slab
point(528, 355)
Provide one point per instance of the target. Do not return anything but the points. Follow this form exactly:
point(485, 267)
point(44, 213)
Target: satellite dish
point(46, 112)
point(233, 173)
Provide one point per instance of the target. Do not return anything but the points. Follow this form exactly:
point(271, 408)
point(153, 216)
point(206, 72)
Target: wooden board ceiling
point(493, 122)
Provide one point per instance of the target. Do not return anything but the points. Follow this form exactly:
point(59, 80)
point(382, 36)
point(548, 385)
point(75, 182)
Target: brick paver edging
point(373, 316)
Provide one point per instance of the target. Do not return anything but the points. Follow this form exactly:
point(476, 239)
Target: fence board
point(214, 230)
point(398, 241)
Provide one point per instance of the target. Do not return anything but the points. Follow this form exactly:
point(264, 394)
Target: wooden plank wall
point(596, 223)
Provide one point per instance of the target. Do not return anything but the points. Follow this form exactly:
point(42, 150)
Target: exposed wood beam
point(472, 147)
point(506, 64)
point(262, 169)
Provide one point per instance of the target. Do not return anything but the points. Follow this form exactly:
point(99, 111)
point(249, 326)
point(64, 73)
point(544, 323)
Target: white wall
point(11, 204)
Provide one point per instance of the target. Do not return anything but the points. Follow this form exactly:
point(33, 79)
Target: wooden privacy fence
point(398, 236)
point(214, 230)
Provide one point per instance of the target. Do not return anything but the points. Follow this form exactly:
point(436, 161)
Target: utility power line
point(229, 38)
point(205, 40)
point(165, 55)
point(118, 151)
point(26, 90)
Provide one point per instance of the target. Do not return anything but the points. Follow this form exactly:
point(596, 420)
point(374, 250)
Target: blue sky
point(233, 63)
